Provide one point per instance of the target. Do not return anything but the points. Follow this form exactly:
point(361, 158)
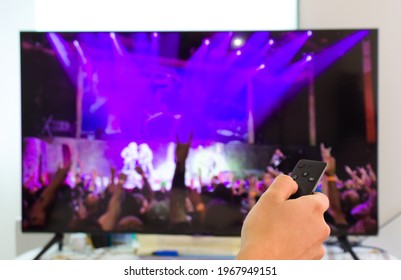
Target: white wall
point(16, 15)
point(165, 15)
point(22, 14)
point(386, 16)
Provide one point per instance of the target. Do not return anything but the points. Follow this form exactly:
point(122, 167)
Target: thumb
point(281, 188)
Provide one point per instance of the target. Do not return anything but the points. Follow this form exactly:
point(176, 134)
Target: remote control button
point(294, 177)
point(305, 174)
point(311, 179)
point(301, 164)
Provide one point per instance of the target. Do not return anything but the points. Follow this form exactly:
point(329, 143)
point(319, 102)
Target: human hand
point(113, 172)
point(139, 170)
point(194, 196)
point(349, 171)
point(279, 228)
point(67, 156)
point(325, 152)
point(329, 159)
point(253, 182)
point(362, 171)
point(181, 150)
point(272, 171)
point(372, 173)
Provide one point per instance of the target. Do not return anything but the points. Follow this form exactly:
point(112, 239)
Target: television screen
point(182, 132)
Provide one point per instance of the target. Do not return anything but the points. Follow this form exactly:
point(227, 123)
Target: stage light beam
point(116, 44)
point(80, 51)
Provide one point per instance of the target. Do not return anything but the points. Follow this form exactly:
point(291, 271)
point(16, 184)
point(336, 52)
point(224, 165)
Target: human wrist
point(254, 253)
point(331, 178)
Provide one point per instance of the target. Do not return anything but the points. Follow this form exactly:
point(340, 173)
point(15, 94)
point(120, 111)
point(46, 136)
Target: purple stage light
point(296, 72)
point(59, 45)
point(80, 51)
point(209, 69)
point(116, 43)
point(64, 54)
point(288, 47)
point(331, 54)
point(261, 67)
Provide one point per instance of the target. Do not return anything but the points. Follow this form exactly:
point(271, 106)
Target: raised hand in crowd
point(329, 183)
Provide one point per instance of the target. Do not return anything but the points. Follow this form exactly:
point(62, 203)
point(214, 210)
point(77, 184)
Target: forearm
point(179, 177)
point(335, 202)
point(147, 189)
point(48, 196)
point(108, 220)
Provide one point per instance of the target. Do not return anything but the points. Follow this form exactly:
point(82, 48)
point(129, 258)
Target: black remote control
point(307, 174)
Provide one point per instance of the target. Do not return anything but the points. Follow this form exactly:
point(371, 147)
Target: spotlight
point(155, 35)
point(262, 66)
point(207, 42)
point(309, 57)
point(238, 42)
point(238, 52)
point(271, 42)
point(112, 35)
point(309, 33)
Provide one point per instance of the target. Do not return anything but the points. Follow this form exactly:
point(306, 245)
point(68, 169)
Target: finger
point(282, 188)
point(318, 199)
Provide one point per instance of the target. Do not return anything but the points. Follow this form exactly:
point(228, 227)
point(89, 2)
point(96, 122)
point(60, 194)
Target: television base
point(58, 238)
point(346, 246)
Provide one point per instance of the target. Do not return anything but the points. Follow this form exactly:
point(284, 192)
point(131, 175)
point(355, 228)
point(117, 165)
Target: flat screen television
point(102, 113)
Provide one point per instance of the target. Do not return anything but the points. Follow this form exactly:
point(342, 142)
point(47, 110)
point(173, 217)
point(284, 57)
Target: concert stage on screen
point(103, 114)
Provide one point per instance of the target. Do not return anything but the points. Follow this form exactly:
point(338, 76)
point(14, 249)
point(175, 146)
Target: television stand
point(58, 238)
point(347, 246)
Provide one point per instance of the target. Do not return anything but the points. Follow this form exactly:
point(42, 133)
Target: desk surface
point(124, 252)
